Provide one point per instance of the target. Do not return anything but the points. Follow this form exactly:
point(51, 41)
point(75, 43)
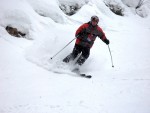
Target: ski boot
point(81, 60)
point(68, 58)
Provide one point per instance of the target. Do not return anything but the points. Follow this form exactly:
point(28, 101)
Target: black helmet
point(95, 18)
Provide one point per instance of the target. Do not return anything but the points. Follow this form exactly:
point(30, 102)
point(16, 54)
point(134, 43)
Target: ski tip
point(86, 76)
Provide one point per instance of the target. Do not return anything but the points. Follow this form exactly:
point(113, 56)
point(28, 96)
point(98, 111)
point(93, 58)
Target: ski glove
point(106, 41)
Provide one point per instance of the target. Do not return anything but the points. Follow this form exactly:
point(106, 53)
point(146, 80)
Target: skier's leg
point(85, 54)
point(74, 54)
point(67, 59)
point(81, 60)
point(76, 51)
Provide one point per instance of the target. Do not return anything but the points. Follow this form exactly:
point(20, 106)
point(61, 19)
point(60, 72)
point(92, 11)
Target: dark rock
point(14, 32)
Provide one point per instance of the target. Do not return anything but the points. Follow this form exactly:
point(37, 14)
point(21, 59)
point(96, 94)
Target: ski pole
point(111, 56)
point(62, 48)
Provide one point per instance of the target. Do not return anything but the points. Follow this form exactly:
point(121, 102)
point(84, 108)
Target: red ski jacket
point(86, 34)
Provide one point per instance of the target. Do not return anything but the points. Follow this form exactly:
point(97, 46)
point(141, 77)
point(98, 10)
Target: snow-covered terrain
point(28, 83)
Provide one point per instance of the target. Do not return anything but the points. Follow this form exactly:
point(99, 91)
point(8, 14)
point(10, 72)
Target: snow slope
point(27, 81)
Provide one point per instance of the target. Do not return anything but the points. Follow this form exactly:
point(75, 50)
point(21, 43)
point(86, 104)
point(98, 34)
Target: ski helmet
point(95, 18)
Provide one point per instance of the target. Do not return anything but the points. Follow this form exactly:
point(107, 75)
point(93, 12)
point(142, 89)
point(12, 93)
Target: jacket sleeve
point(101, 34)
point(81, 29)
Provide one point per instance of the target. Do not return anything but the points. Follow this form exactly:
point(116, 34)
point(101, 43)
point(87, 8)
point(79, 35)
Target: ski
point(77, 71)
point(62, 68)
point(86, 76)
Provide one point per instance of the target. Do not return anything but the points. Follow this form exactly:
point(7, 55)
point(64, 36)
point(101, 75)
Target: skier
point(85, 37)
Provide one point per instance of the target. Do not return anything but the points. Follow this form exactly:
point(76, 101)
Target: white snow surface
point(28, 81)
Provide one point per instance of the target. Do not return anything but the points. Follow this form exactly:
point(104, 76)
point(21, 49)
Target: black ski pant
point(85, 51)
point(78, 49)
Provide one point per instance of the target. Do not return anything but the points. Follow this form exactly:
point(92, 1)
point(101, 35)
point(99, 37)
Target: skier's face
point(94, 22)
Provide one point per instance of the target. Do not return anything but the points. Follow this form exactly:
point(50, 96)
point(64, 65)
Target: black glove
point(106, 41)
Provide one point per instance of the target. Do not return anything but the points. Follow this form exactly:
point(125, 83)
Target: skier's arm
point(102, 36)
point(80, 30)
